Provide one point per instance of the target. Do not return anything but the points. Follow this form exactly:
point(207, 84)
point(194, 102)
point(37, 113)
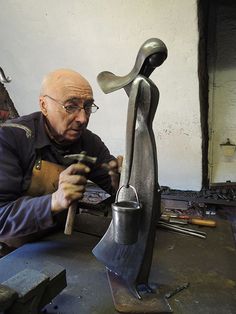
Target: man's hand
point(114, 170)
point(71, 187)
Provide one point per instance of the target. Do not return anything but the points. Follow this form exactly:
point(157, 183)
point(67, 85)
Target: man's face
point(64, 125)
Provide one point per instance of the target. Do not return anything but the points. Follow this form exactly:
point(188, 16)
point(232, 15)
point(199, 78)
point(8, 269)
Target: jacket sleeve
point(19, 215)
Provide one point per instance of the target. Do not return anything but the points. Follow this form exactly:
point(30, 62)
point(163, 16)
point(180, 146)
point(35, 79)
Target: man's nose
point(81, 116)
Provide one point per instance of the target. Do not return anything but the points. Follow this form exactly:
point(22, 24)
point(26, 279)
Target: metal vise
point(30, 290)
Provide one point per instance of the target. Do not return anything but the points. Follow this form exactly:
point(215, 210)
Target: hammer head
point(82, 157)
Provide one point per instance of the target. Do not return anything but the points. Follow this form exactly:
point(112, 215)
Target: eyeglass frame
point(76, 108)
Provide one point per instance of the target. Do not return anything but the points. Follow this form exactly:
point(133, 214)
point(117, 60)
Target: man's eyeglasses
point(73, 105)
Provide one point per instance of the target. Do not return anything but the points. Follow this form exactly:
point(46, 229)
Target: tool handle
point(202, 222)
point(70, 219)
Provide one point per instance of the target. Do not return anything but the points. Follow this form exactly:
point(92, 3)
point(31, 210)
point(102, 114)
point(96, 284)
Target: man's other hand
point(114, 170)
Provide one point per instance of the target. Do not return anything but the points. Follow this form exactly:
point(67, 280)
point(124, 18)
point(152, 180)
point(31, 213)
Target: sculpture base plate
point(125, 302)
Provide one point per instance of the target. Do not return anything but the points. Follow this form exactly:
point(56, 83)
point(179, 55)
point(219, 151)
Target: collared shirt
point(20, 144)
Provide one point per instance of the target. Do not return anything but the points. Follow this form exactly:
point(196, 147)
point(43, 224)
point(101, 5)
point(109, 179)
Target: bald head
point(60, 88)
point(60, 81)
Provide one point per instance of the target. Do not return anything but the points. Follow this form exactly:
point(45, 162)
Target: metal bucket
point(126, 219)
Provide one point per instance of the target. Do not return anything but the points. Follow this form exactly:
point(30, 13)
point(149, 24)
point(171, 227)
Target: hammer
point(85, 159)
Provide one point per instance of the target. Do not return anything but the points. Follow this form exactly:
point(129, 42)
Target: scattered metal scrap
point(176, 290)
point(225, 191)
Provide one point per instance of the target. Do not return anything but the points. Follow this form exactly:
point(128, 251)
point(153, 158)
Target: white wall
point(96, 35)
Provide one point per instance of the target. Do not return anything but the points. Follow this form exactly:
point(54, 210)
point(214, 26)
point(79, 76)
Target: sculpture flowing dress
point(131, 262)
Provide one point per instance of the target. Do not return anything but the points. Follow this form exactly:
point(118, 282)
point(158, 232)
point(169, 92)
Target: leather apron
point(45, 178)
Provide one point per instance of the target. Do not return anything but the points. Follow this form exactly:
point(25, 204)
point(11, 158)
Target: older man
point(36, 181)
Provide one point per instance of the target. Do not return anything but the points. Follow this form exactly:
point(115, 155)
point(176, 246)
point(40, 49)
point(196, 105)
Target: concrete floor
point(207, 264)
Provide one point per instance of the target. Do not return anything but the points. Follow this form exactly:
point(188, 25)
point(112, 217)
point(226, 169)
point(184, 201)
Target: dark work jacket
point(20, 145)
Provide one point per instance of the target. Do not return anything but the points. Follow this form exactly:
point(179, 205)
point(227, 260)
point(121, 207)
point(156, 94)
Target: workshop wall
point(222, 91)
point(93, 36)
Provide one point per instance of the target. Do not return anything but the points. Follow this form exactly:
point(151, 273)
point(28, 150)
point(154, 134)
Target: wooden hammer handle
point(70, 219)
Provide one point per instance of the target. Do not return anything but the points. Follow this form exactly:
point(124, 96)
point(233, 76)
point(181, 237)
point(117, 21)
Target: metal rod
point(188, 231)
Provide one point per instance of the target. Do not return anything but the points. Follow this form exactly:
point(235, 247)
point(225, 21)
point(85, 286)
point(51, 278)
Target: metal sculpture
point(126, 249)
point(7, 108)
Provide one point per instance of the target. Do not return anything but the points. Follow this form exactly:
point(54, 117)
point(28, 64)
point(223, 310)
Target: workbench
point(208, 265)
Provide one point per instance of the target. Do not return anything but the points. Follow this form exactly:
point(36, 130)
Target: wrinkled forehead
point(64, 84)
point(73, 87)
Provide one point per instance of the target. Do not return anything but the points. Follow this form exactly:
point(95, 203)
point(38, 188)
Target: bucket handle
point(129, 186)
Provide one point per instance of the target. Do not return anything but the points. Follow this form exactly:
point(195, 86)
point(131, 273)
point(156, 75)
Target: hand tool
point(179, 229)
point(85, 159)
point(202, 222)
point(194, 221)
point(173, 220)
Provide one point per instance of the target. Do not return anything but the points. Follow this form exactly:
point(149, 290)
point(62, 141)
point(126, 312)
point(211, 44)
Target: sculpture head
point(151, 55)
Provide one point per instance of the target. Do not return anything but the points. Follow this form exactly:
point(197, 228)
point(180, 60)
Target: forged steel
point(132, 262)
point(126, 219)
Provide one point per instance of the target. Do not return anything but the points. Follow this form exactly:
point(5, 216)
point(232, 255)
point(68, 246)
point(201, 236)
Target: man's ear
point(43, 106)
